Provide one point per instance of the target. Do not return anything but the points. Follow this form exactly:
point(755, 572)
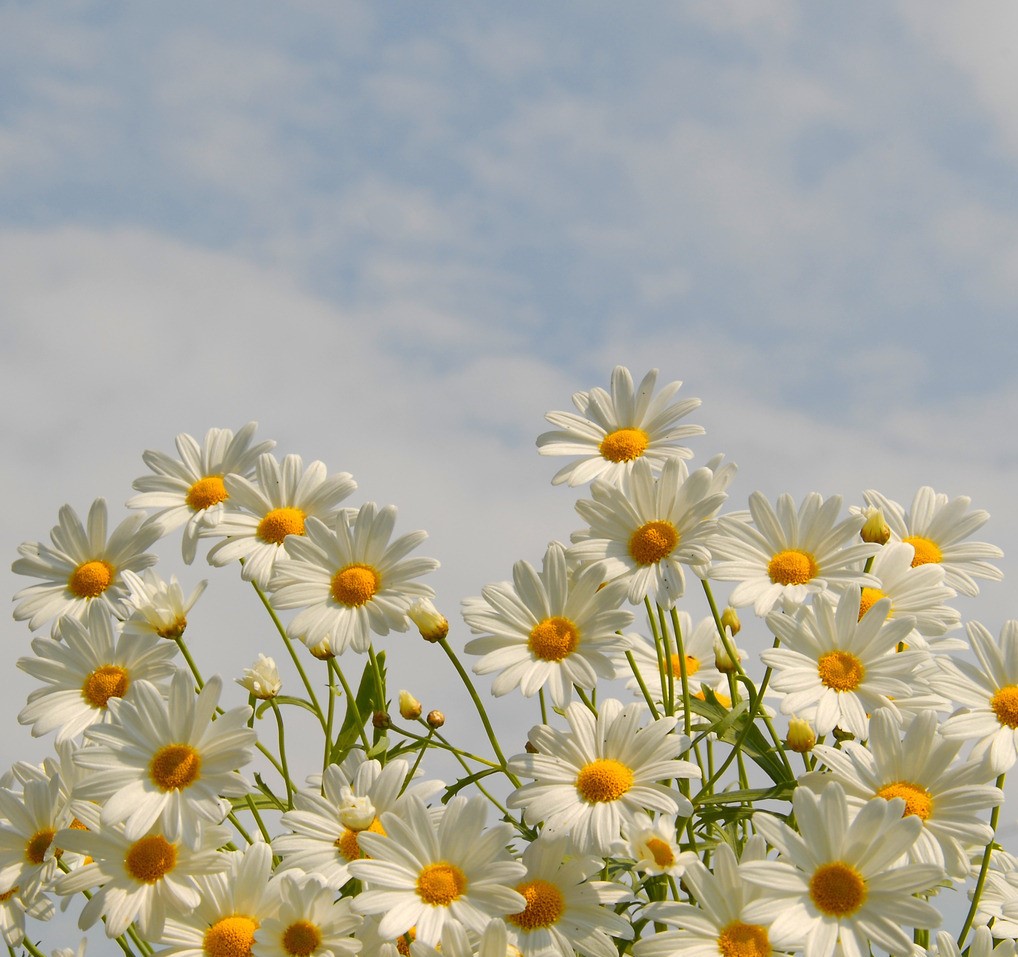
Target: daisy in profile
point(263, 512)
point(158, 607)
point(165, 760)
point(88, 666)
point(547, 628)
point(648, 528)
point(835, 668)
point(424, 876)
point(82, 565)
point(780, 558)
point(834, 883)
point(937, 528)
point(310, 922)
point(190, 491)
point(589, 781)
point(349, 580)
point(612, 431)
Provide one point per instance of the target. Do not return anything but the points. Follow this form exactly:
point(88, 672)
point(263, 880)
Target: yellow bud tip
point(875, 529)
point(435, 719)
point(801, 737)
point(381, 720)
point(409, 707)
point(431, 623)
point(730, 620)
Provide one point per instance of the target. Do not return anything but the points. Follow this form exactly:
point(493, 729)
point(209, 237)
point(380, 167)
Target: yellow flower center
point(347, 843)
point(175, 767)
point(91, 579)
point(837, 889)
point(692, 665)
point(109, 681)
point(744, 940)
point(545, 905)
point(230, 937)
point(624, 445)
point(206, 492)
point(37, 846)
point(301, 938)
point(661, 851)
point(792, 567)
point(553, 639)
point(918, 800)
point(279, 523)
point(7, 895)
point(840, 670)
point(868, 597)
point(355, 585)
point(440, 884)
point(1005, 705)
point(653, 541)
point(151, 858)
point(603, 780)
point(174, 630)
point(404, 941)
point(927, 552)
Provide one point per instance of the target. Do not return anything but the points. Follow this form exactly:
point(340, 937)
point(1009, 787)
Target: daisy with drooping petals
point(13, 908)
point(30, 821)
point(833, 883)
point(276, 504)
point(590, 780)
point(350, 580)
point(310, 922)
point(784, 556)
point(614, 431)
point(646, 529)
point(547, 628)
point(191, 491)
point(421, 875)
point(82, 565)
point(159, 607)
point(166, 760)
point(85, 669)
point(937, 528)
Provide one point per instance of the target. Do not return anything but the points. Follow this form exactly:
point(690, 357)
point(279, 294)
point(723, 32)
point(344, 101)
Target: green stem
point(683, 673)
point(983, 868)
point(258, 819)
point(544, 706)
point(282, 753)
point(236, 823)
point(642, 684)
point(351, 701)
point(329, 719)
point(190, 662)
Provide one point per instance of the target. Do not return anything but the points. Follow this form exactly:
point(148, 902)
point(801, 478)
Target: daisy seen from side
point(158, 607)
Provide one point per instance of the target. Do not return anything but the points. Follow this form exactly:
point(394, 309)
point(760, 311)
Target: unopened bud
point(801, 737)
point(261, 679)
point(435, 719)
point(433, 625)
point(530, 749)
point(322, 651)
point(723, 660)
point(409, 706)
point(875, 529)
point(730, 620)
point(381, 720)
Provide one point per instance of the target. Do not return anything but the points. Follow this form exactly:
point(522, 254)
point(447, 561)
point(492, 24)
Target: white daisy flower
point(936, 528)
point(652, 843)
point(276, 504)
point(190, 491)
point(423, 876)
point(949, 798)
point(79, 951)
point(159, 607)
point(310, 922)
point(262, 678)
point(647, 529)
point(547, 628)
point(82, 566)
point(350, 580)
point(982, 945)
point(590, 780)
point(166, 760)
point(834, 668)
point(614, 431)
point(785, 556)
point(85, 669)
point(13, 908)
point(494, 942)
point(29, 822)
point(834, 883)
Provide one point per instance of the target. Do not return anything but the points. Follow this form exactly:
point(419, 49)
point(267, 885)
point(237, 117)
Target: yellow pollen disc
point(840, 670)
point(868, 598)
point(918, 800)
point(545, 905)
point(230, 937)
point(792, 567)
point(440, 884)
point(692, 665)
point(403, 943)
point(744, 940)
point(173, 631)
point(301, 938)
point(347, 843)
point(553, 639)
point(1005, 705)
point(603, 780)
point(837, 889)
point(38, 845)
point(91, 579)
point(624, 445)
point(926, 552)
point(652, 542)
point(151, 858)
point(661, 851)
point(279, 523)
point(355, 584)
point(109, 681)
point(206, 492)
point(723, 699)
point(77, 825)
point(7, 895)
point(175, 767)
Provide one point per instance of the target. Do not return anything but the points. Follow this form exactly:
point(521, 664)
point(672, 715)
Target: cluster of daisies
point(677, 794)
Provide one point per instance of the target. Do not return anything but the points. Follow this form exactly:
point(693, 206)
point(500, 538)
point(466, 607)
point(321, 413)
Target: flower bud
point(322, 651)
point(435, 719)
point(261, 679)
point(723, 660)
point(530, 749)
point(409, 706)
point(433, 625)
point(801, 737)
point(381, 720)
point(875, 529)
point(730, 620)
point(355, 811)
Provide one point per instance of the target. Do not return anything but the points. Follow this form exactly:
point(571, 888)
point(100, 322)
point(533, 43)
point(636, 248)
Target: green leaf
point(285, 699)
point(358, 712)
point(454, 789)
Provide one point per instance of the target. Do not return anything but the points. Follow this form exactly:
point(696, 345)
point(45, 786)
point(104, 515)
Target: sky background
point(398, 234)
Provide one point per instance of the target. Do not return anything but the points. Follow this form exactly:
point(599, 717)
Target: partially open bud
point(801, 737)
point(381, 720)
point(723, 660)
point(355, 812)
point(433, 625)
point(730, 620)
point(261, 679)
point(875, 529)
point(435, 719)
point(322, 651)
point(409, 707)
